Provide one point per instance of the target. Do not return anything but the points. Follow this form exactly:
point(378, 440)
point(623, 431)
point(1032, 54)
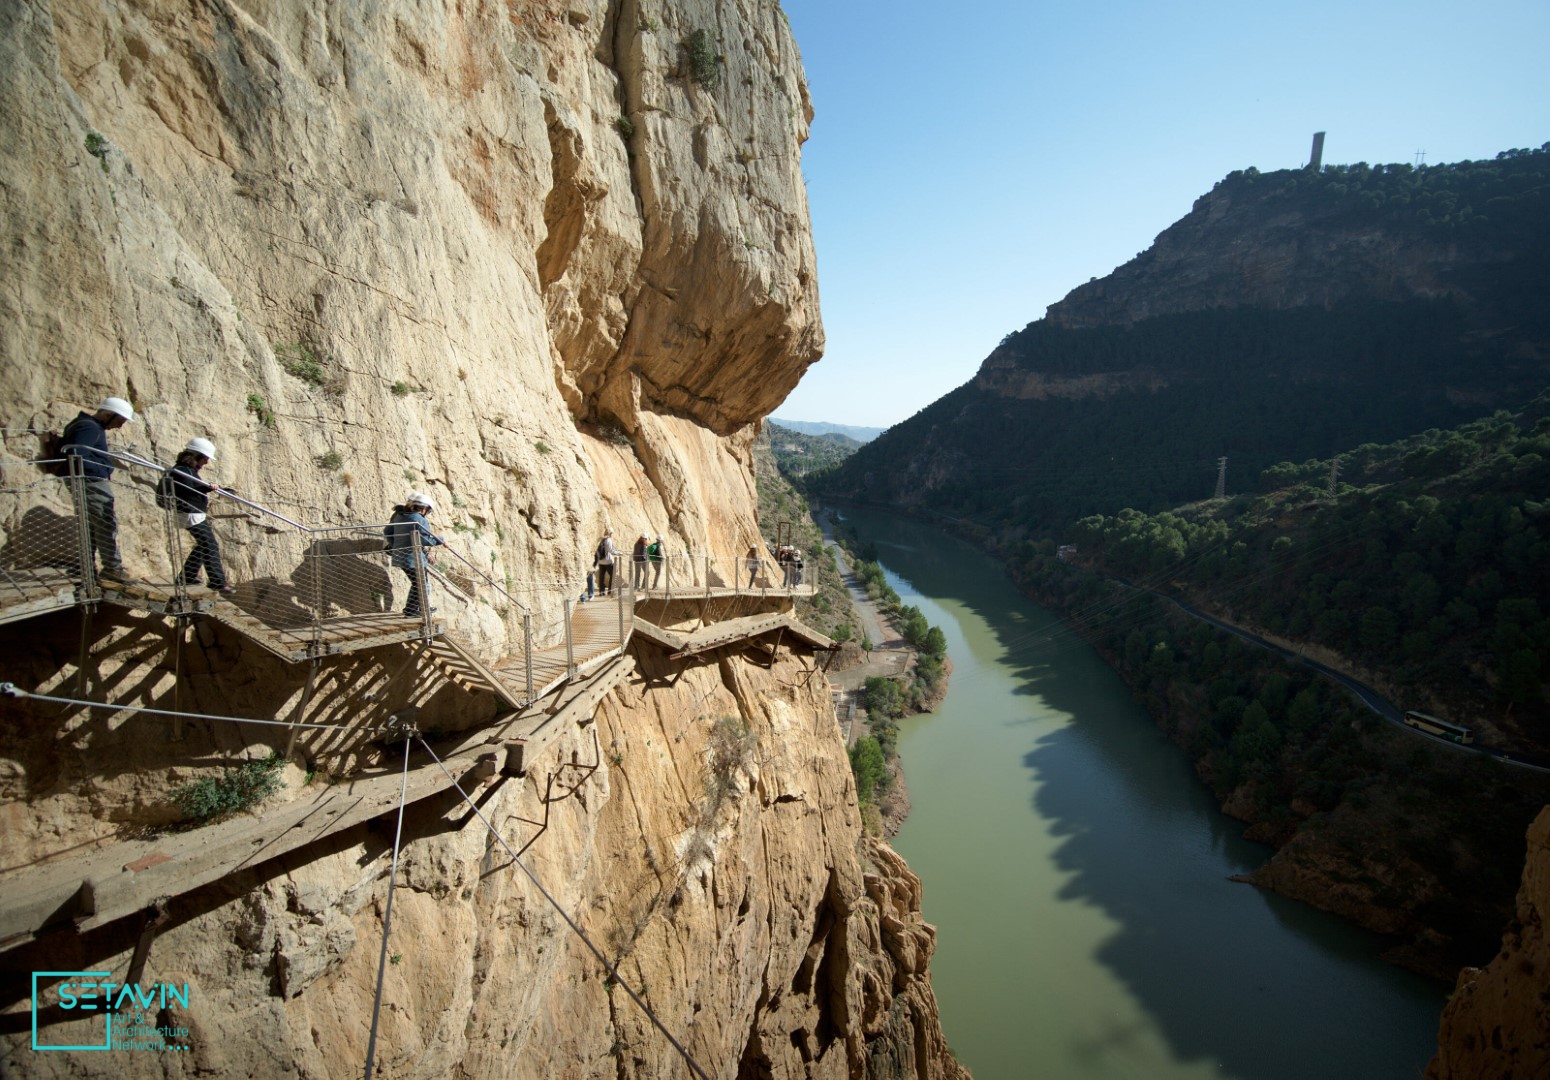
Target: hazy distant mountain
point(812, 427)
point(797, 453)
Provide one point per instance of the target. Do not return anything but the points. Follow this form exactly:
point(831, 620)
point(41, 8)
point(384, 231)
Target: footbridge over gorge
point(320, 600)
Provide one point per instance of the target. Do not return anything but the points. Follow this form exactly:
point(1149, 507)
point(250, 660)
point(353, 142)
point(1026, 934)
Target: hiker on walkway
point(753, 562)
point(604, 563)
point(408, 520)
point(657, 552)
point(86, 439)
point(190, 496)
point(638, 564)
point(794, 566)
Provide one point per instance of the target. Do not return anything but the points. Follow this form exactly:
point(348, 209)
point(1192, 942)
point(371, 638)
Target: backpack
point(53, 461)
point(602, 553)
point(166, 496)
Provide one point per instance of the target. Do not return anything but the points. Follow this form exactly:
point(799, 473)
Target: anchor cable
point(387, 917)
point(8, 689)
point(613, 972)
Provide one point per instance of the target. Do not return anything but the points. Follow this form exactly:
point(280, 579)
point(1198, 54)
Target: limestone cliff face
point(439, 208)
point(549, 261)
point(1498, 1021)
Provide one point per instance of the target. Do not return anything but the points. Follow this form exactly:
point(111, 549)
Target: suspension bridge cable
point(613, 971)
point(387, 917)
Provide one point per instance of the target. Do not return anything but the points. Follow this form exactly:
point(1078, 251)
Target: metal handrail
point(135, 459)
point(488, 580)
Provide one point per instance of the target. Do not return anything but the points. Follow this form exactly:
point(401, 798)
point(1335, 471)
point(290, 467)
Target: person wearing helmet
point(408, 520)
point(85, 440)
point(191, 500)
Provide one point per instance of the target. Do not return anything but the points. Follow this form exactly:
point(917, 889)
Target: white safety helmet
point(119, 406)
point(202, 446)
point(419, 498)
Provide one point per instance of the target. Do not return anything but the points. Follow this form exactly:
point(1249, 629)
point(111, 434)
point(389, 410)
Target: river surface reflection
point(1077, 873)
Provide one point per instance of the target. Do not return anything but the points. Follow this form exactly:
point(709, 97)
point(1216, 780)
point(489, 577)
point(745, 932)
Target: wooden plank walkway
point(529, 733)
point(595, 636)
point(469, 671)
point(345, 634)
point(729, 632)
point(25, 593)
point(87, 891)
point(690, 592)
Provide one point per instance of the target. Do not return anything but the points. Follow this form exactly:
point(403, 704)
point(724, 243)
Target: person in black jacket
point(193, 503)
point(86, 440)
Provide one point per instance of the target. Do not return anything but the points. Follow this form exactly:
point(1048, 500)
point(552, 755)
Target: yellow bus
point(1443, 729)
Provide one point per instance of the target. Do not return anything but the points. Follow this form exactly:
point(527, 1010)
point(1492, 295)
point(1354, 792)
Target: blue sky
point(970, 165)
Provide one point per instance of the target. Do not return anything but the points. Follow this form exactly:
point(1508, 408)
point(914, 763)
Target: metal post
point(570, 643)
point(89, 590)
point(527, 648)
point(420, 578)
point(621, 610)
point(316, 555)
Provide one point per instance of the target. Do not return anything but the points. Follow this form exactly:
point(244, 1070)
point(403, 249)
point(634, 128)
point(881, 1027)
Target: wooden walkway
point(594, 638)
point(25, 593)
point(119, 879)
point(332, 637)
point(731, 632)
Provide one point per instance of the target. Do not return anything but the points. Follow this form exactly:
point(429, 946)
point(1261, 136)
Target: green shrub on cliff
point(236, 790)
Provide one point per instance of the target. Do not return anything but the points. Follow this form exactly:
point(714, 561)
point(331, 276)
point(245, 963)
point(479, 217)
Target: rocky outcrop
point(1497, 1023)
point(1257, 241)
point(548, 261)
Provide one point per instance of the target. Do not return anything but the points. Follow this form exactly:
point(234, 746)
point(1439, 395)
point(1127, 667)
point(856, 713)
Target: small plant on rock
point(97, 147)
point(236, 790)
point(260, 408)
point(704, 62)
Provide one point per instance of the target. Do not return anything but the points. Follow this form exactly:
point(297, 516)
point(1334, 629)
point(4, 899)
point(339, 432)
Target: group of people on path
point(646, 560)
point(182, 490)
point(787, 557)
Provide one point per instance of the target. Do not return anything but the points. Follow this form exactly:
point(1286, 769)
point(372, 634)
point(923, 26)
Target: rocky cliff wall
point(418, 240)
point(1253, 243)
point(1498, 1022)
point(550, 262)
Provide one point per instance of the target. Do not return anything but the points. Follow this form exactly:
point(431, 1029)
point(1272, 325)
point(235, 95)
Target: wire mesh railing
point(40, 539)
point(307, 590)
point(684, 574)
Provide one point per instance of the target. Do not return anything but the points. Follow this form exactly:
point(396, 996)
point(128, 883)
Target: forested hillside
point(1289, 315)
point(1424, 574)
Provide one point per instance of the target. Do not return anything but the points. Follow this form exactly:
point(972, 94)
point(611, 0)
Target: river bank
point(891, 657)
point(1077, 873)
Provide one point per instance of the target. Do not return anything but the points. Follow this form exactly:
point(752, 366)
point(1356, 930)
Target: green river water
point(1077, 873)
